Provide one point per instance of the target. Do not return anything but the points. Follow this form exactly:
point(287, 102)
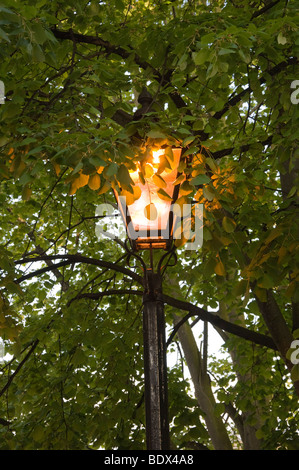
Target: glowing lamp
point(147, 211)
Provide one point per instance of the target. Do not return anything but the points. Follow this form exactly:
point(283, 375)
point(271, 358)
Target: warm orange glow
point(149, 211)
point(156, 156)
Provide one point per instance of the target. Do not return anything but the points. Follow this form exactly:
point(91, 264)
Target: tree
point(87, 88)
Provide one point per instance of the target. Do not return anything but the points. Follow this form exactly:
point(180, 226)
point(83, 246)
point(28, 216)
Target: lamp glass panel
point(150, 212)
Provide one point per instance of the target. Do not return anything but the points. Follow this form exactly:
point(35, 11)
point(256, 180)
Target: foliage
point(89, 88)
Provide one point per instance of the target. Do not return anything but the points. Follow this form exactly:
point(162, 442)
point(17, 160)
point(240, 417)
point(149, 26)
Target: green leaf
point(200, 179)
point(110, 170)
point(188, 140)
point(156, 134)
point(224, 51)
point(281, 39)
point(37, 53)
point(208, 193)
point(39, 33)
point(212, 70)
point(212, 164)
point(245, 56)
point(228, 224)
point(219, 409)
point(38, 433)
point(261, 294)
point(123, 176)
point(190, 151)
point(241, 288)
point(295, 373)
point(260, 434)
point(200, 57)
point(3, 35)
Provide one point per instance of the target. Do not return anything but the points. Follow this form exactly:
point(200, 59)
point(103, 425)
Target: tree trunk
point(247, 432)
point(202, 387)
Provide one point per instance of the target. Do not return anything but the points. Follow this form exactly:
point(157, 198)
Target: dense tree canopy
point(89, 87)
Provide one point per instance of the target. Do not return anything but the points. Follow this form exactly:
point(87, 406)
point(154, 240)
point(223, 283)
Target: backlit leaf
point(228, 224)
point(220, 269)
point(159, 181)
point(94, 182)
point(163, 195)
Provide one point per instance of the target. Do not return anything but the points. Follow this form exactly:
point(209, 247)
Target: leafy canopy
point(89, 88)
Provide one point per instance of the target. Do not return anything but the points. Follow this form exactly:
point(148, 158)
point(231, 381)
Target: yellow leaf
point(73, 187)
point(148, 170)
point(26, 193)
point(94, 182)
point(141, 178)
point(82, 180)
point(106, 186)
point(186, 188)
point(17, 167)
point(159, 181)
point(56, 168)
point(179, 180)
point(220, 269)
point(150, 212)
point(100, 169)
point(199, 159)
point(181, 201)
point(78, 182)
point(163, 195)
point(131, 197)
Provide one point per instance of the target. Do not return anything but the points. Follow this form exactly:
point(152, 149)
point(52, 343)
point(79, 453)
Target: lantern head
point(147, 208)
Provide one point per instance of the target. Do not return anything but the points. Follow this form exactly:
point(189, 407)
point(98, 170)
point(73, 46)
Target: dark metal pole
point(155, 367)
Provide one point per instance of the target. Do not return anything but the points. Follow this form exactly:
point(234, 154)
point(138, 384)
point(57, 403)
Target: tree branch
point(272, 72)
point(72, 259)
point(242, 148)
point(34, 345)
point(109, 48)
point(99, 295)
point(264, 9)
point(203, 314)
point(217, 321)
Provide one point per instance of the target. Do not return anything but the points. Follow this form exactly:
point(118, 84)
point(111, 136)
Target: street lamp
point(147, 213)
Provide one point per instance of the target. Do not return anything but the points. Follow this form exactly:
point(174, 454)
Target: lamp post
point(149, 220)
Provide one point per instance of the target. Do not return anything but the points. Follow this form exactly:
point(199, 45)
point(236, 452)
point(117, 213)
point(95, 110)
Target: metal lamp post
point(149, 222)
